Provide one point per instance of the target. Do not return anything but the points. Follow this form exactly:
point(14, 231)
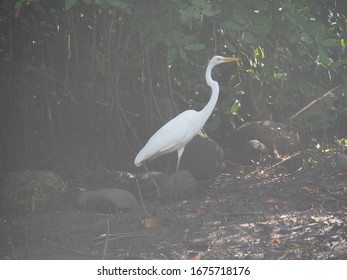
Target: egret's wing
point(170, 137)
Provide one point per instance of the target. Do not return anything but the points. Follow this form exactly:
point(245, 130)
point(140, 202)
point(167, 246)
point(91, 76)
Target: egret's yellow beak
point(227, 59)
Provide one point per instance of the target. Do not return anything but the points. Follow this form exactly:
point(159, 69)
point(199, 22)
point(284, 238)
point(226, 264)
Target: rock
point(101, 199)
point(341, 162)
point(265, 136)
point(203, 157)
point(146, 183)
point(253, 149)
point(184, 187)
point(31, 191)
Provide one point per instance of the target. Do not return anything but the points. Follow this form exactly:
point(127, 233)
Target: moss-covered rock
point(202, 156)
point(181, 185)
point(30, 191)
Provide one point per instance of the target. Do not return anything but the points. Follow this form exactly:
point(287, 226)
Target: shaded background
point(87, 82)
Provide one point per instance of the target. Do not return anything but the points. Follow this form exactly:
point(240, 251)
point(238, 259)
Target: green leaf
point(235, 107)
point(280, 76)
point(303, 49)
point(123, 5)
point(199, 3)
point(230, 25)
point(295, 37)
point(323, 56)
point(69, 4)
point(230, 46)
point(181, 39)
point(257, 29)
point(211, 11)
point(249, 38)
point(215, 122)
point(114, 3)
point(188, 39)
point(338, 64)
point(172, 54)
point(183, 55)
point(196, 14)
point(316, 28)
point(331, 42)
point(306, 38)
point(263, 21)
point(18, 5)
point(187, 14)
point(194, 47)
point(260, 5)
point(258, 52)
point(240, 19)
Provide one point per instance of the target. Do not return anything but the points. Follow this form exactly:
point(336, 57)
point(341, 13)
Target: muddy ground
point(261, 213)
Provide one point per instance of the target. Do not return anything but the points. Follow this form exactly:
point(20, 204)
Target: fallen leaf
point(150, 223)
point(316, 219)
point(294, 245)
point(274, 241)
point(310, 190)
point(272, 201)
point(337, 189)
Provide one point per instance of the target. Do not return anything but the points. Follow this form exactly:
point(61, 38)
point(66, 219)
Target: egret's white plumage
point(177, 133)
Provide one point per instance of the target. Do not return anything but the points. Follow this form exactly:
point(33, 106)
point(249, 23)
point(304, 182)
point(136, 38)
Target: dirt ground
point(261, 213)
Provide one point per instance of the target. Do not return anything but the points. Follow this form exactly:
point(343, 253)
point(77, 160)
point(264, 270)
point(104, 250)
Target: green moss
point(21, 190)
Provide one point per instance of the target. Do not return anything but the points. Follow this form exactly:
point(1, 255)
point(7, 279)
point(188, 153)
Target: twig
point(112, 237)
point(284, 160)
point(107, 239)
point(313, 103)
point(303, 226)
point(68, 249)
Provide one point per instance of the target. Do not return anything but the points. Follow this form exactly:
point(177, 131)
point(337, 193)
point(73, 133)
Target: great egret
point(177, 133)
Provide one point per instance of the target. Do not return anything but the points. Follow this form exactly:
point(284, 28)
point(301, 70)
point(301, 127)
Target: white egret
point(178, 132)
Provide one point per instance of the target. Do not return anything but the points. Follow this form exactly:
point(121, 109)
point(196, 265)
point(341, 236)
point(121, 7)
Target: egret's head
point(221, 59)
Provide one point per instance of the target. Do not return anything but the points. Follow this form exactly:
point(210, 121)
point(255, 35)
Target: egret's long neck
point(208, 109)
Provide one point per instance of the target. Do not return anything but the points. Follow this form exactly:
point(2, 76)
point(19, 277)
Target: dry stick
point(313, 103)
point(107, 239)
point(280, 162)
point(67, 249)
point(284, 160)
point(117, 237)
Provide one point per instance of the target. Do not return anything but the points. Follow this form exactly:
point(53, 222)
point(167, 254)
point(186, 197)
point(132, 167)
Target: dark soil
point(259, 214)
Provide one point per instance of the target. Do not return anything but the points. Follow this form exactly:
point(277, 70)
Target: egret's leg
point(178, 165)
point(154, 181)
point(179, 155)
